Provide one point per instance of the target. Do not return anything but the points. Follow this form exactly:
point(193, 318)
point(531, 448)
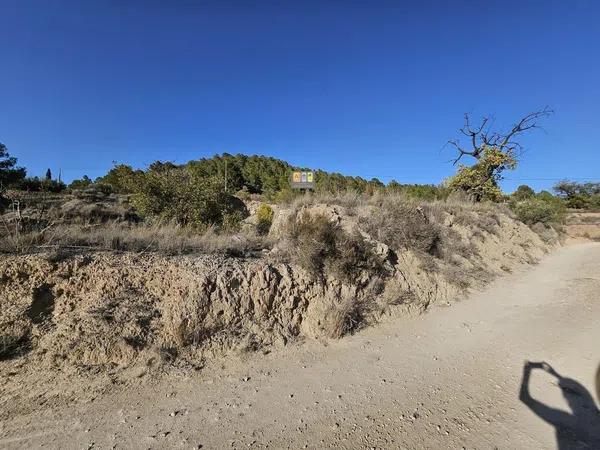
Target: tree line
point(208, 190)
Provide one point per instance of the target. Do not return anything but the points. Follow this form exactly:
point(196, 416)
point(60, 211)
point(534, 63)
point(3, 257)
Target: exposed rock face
point(121, 308)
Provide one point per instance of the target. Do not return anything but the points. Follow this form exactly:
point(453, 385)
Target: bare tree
point(482, 136)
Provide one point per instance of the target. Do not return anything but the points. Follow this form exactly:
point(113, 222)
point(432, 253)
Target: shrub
point(314, 240)
point(353, 256)
point(594, 202)
point(122, 178)
point(577, 201)
point(94, 192)
point(37, 185)
point(264, 216)
point(546, 196)
point(403, 225)
point(534, 210)
point(80, 183)
point(231, 221)
point(320, 246)
point(344, 317)
point(184, 197)
point(523, 192)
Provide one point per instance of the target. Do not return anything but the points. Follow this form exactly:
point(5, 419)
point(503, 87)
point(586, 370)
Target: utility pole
point(225, 175)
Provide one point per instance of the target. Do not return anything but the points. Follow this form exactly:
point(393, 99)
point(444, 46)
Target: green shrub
point(523, 192)
point(232, 221)
point(534, 210)
point(123, 179)
point(183, 197)
point(80, 183)
point(594, 202)
point(578, 201)
point(36, 184)
point(546, 196)
point(264, 216)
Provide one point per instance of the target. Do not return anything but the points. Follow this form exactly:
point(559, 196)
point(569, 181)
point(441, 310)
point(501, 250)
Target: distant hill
point(264, 175)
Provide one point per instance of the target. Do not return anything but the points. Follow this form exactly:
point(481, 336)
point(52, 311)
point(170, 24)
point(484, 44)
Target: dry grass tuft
point(345, 317)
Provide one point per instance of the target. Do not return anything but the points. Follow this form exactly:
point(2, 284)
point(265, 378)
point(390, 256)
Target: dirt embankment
point(585, 225)
point(127, 314)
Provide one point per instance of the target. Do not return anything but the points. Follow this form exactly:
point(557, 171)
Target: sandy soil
point(447, 379)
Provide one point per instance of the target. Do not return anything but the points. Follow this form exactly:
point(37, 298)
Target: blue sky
point(363, 88)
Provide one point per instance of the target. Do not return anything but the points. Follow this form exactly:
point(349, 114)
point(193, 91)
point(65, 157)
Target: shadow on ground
point(577, 429)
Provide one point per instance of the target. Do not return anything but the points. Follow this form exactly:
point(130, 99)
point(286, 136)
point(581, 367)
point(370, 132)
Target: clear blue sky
point(364, 88)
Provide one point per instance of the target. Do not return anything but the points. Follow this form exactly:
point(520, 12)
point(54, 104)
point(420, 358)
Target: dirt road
point(448, 379)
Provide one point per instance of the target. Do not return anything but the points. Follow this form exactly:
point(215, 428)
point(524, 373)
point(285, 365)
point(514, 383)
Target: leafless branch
point(482, 137)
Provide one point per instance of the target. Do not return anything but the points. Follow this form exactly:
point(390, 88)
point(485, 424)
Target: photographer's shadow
point(579, 429)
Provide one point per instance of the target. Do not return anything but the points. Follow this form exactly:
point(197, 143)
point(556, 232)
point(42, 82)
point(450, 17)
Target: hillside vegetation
point(189, 200)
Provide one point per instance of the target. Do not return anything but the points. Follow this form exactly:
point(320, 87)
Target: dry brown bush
point(321, 246)
point(314, 239)
point(402, 224)
point(345, 317)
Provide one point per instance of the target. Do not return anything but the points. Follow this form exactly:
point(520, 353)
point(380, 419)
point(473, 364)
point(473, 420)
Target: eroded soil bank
point(448, 379)
point(110, 317)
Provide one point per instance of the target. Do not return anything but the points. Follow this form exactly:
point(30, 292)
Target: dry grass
point(348, 199)
point(345, 317)
point(162, 238)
